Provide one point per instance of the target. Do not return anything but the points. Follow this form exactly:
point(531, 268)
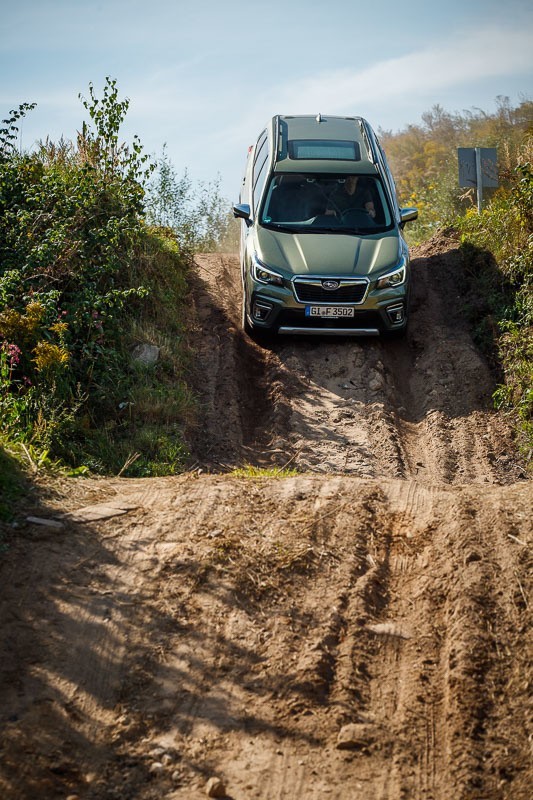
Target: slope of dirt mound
point(359, 632)
point(297, 638)
point(414, 408)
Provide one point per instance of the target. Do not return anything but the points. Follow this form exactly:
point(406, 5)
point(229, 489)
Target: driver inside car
point(351, 193)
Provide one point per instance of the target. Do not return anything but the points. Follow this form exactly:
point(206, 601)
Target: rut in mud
point(357, 632)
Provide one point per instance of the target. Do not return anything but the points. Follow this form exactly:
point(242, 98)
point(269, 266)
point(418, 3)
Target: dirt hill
point(356, 632)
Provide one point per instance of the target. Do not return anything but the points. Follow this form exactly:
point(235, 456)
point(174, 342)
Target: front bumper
point(277, 311)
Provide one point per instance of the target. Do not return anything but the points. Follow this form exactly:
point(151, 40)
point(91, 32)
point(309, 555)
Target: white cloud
point(478, 55)
point(186, 99)
point(415, 79)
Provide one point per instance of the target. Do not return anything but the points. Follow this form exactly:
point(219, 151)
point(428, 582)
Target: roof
point(321, 143)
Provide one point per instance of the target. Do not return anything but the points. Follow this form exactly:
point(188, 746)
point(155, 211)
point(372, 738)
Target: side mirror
point(408, 215)
point(242, 211)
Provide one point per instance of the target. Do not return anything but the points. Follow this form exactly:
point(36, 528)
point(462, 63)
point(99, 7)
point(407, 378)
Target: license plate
point(330, 312)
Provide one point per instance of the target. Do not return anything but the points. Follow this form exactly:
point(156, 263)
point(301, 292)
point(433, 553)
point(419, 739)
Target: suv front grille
point(312, 291)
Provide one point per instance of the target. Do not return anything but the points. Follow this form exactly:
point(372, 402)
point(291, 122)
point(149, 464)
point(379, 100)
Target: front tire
point(400, 333)
point(245, 325)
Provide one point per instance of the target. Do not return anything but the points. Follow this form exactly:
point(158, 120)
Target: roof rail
point(278, 144)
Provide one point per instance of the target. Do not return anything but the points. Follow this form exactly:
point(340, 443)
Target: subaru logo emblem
point(330, 286)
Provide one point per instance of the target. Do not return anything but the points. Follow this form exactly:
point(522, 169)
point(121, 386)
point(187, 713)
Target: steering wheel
point(356, 216)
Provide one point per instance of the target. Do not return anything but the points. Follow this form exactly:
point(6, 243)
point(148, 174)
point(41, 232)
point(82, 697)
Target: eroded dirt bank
point(417, 408)
point(359, 632)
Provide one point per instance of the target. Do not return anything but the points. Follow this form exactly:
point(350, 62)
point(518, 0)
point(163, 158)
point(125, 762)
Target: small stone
point(145, 354)
point(166, 759)
point(156, 768)
point(215, 788)
point(47, 523)
point(355, 736)
point(176, 776)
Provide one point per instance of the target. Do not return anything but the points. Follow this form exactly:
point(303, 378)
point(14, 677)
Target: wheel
point(259, 335)
point(245, 325)
point(399, 334)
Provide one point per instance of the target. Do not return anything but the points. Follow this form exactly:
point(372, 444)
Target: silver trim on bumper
point(329, 331)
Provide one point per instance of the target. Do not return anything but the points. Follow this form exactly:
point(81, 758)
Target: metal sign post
point(478, 166)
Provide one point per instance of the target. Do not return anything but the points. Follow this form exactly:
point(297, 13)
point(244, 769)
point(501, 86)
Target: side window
point(260, 168)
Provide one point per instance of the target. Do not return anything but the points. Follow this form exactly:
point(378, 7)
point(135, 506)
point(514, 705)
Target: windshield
point(330, 203)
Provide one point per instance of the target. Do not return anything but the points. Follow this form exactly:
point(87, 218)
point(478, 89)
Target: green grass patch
point(83, 282)
point(12, 484)
point(497, 247)
point(249, 471)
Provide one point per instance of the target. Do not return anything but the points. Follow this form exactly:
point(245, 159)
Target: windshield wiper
point(318, 229)
point(279, 226)
point(358, 231)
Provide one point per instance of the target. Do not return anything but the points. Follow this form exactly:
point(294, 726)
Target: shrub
point(503, 279)
point(72, 237)
point(199, 217)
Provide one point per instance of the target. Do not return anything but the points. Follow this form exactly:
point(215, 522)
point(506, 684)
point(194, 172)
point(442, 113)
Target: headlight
point(262, 274)
point(392, 279)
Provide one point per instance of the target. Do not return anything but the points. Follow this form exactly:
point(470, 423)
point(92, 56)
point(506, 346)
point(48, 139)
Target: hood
point(328, 253)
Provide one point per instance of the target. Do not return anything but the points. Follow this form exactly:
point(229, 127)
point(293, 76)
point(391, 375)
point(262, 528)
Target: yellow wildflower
point(49, 355)
point(59, 327)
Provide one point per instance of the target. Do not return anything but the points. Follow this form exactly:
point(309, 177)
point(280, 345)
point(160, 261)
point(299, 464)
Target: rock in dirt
point(147, 354)
point(114, 508)
point(355, 736)
point(47, 523)
point(215, 788)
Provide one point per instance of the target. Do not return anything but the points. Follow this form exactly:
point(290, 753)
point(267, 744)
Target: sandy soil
point(359, 631)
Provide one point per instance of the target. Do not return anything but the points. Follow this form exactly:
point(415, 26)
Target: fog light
point(396, 314)
point(261, 310)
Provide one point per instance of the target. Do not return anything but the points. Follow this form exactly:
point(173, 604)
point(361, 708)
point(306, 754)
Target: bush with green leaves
point(424, 161)
point(72, 232)
point(199, 216)
point(498, 249)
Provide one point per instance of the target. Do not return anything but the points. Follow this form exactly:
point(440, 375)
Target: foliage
point(498, 249)
point(423, 158)
point(72, 290)
point(497, 244)
point(12, 485)
point(249, 471)
point(516, 394)
point(198, 215)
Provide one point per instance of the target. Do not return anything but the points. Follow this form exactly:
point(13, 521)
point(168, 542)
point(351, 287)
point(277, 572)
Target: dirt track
point(357, 632)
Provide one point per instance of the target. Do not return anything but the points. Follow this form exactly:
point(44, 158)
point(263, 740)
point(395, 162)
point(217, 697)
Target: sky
point(203, 77)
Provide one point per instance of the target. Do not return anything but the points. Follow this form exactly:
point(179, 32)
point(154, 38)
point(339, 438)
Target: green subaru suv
point(322, 250)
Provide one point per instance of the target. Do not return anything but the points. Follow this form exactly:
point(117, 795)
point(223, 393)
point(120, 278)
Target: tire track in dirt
point(256, 618)
point(311, 604)
point(441, 387)
point(240, 395)
point(239, 627)
point(418, 408)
